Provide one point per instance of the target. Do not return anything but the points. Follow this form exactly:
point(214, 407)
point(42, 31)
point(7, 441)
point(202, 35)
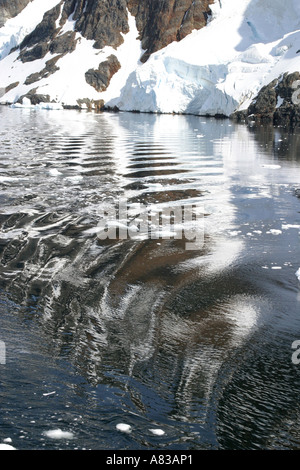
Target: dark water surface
point(196, 343)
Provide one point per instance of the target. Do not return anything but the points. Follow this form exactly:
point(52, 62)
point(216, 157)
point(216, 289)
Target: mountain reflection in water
point(195, 342)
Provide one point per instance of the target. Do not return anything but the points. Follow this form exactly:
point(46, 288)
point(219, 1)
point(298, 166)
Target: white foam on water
point(157, 432)
point(124, 427)
point(272, 167)
point(59, 434)
point(287, 226)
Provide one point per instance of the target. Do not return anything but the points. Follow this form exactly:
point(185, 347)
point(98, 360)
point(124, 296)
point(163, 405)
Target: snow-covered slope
point(215, 70)
point(67, 85)
point(15, 29)
point(220, 68)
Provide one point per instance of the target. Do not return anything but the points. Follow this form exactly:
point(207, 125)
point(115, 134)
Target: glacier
point(220, 68)
point(216, 70)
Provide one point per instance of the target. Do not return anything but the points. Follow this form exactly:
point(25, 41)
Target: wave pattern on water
point(171, 337)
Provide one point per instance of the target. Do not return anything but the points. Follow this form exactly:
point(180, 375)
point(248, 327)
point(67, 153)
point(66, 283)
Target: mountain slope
point(9, 9)
point(200, 57)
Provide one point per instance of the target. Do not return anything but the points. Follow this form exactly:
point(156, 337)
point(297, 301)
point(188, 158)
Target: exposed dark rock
point(159, 22)
point(64, 43)
point(4, 90)
point(100, 78)
point(10, 9)
point(162, 22)
point(113, 109)
point(96, 105)
point(265, 102)
point(276, 102)
point(288, 90)
point(11, 86)
point(34, 97)
point(287, 114)
point(49, 69)
point(51, 66)
point(102, 21)
point(39, 40)
point(37, 52)
point(38, 98)
point(34, 77)
point(45, 31)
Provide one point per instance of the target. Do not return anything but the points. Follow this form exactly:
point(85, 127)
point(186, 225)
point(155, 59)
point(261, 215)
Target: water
point(197, 343)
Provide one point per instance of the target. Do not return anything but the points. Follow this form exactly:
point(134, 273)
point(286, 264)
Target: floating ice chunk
point(298, 274)
point(124, 427)
point(234, 233)
point(7, 440)
point(275, 231)
point(287, 226)
point(157, 432)
point(54, 172)
point(4, 179)
point(47, 394)
point(49, 106)
point(59, 434)
point(74, 178)
point(6, 447)
point(272, 167)
point(26, 102)
point(276, 267)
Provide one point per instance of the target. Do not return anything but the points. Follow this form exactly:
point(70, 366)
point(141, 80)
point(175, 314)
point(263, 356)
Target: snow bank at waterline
point(220, 68)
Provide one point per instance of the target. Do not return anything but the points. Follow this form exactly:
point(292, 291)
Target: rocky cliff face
point(105, 22)
point(161, 23)
point(278, 102)
point(9, 9)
